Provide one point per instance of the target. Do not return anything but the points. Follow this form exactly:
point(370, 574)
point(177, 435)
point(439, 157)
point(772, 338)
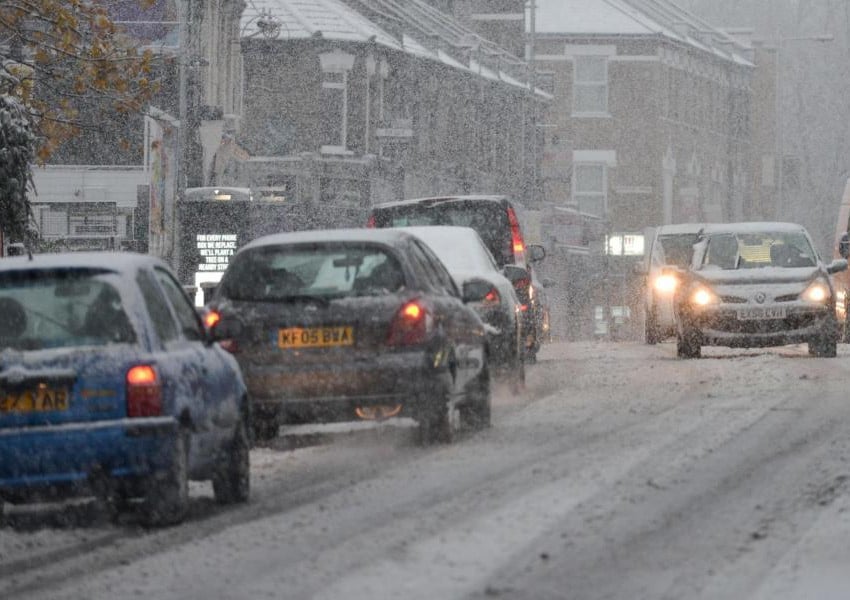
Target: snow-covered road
point(621, 473)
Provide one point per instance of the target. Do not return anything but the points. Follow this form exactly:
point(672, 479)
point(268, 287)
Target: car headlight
point(817, 292)
point(703, 296)
point(666, 284)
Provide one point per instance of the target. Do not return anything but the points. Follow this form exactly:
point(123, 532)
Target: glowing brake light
point(212, 318)
point(517, 243)
point(144, 393)
point(370, 223)
point(411, 325)
point(492, 297)
point(412, 311)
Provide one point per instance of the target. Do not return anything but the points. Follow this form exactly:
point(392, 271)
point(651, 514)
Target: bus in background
point(214, 222)
point(841, 281)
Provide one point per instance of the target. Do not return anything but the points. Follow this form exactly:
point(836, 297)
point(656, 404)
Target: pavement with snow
point(622, 472)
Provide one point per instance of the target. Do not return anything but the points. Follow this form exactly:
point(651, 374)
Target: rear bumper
point(331, 392)
point(71, 459)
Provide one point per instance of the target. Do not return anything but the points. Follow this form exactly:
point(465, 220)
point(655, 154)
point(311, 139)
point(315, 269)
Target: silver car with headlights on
point(671, 249)
point(756, 285)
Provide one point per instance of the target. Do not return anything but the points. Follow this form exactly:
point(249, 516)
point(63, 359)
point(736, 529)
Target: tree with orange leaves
point(58, 60)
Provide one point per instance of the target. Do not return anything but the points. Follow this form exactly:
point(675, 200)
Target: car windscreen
point(61, 309)
point(678, 248)
point(783, 249)
point(488, 218)
point(274, 273)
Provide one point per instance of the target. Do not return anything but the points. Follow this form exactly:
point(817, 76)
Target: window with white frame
point(590, 188)
point(333, 127)
point(590, 85)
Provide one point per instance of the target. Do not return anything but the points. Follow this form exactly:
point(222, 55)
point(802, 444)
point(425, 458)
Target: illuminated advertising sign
point(626, 244)
point(215, 250)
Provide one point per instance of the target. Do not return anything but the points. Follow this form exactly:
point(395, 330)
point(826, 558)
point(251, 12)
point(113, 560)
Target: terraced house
point(347, 103)
point(653, 121)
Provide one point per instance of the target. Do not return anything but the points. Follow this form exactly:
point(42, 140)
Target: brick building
point(345, 104)
point(652, 123)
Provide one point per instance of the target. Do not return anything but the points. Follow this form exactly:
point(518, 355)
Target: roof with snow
point(417, 28)
point(637, 18)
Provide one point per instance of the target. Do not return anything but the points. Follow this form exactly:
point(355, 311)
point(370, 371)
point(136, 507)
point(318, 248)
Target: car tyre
point(167, 498)
point(517, 374)
point(265, 428)
point(232, 479)
point(688, 344)
point(476, 412)
point(435, 424)
point(823, 348)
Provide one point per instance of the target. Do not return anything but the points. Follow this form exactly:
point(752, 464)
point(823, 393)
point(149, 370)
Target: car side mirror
point(837, 266)
point(536, 253)
point(515, 274)
point(475, 290)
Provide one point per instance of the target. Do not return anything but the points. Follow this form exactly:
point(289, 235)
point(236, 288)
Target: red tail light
point(492, 298)
point(517, 243)
point(144, 393)
point(212, 318)
point(370, 223)
point(411, 325)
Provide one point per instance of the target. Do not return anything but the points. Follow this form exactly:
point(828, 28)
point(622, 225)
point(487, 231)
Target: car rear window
point(488, 218)
point(59, 309)
point(330, 271)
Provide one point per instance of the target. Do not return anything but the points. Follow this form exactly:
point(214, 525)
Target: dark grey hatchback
point(352, 324)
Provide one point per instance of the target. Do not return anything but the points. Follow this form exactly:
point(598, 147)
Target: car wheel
point(823, 348)
point(688, 344)
point(167, 498)
point(435, 424)
point(265, 428)
point(651, 327)
point(517, 373)
point(476, 412)
point(232, 479)
point(845, 326)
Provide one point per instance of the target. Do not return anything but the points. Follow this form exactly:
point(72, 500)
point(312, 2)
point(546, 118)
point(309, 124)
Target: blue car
point(109, 385)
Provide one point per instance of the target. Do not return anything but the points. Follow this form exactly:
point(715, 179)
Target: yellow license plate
point(315, 337)
point(41, 399)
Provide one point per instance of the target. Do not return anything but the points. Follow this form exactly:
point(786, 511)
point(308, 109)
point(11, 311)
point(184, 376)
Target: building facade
point(358, 102)
point(652, 122)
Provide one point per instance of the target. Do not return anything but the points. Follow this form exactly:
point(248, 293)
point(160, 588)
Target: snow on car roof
point(680, 228)
point(385, 236)
point(434, 199)
point(120, 262)
point(752, 227)
point(460, 248)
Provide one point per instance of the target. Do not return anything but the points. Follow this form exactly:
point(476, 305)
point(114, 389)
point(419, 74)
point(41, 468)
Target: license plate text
point(315, 337)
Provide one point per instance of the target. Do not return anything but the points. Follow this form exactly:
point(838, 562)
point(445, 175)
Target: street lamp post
point(780, 153)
